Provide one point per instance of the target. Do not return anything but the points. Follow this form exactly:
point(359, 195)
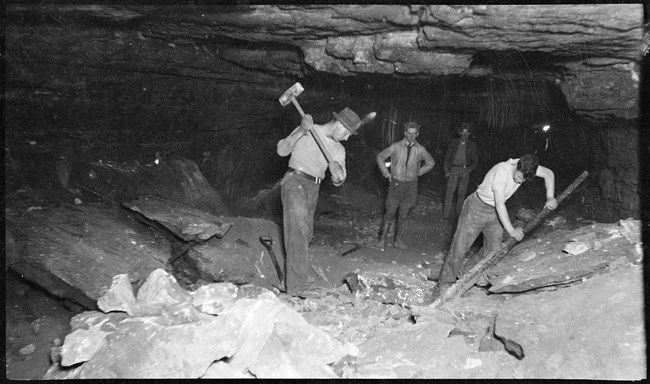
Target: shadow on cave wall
point(230, 130)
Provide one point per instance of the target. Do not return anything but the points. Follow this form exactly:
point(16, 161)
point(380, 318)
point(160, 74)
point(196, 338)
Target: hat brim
point(338, 118)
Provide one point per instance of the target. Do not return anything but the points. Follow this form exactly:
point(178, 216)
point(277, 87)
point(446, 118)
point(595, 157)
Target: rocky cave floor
point(545, 330)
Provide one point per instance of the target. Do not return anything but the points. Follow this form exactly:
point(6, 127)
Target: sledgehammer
point(290, 96)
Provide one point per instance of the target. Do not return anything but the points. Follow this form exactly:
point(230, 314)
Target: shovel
point(267, 242)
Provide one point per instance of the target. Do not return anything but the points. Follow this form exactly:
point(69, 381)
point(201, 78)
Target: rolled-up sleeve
point(381, 160)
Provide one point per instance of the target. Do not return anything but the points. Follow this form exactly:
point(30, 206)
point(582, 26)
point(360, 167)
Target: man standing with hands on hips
point(406, 157)
point(461, 159)
point(485, 211)
point(300, 186)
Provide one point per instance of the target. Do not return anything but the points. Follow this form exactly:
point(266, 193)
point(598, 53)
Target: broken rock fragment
point(89, 333)
point(160, 289)
point(140, 348)
point(171, 335)
point(119, 296)
point(392, 285)
point(214, 298)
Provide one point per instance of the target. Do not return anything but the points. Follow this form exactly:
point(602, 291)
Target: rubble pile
point(217, 331)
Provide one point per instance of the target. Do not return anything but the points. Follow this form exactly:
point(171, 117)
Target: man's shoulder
point(502, 166)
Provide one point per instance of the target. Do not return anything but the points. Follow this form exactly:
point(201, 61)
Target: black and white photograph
point(199, 190)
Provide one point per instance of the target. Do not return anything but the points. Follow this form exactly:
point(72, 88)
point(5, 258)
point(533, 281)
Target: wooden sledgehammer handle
point(470, 278)
point(314, 134)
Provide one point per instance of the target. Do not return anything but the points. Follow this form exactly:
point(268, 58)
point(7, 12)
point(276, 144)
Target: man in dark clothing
point(406, 166)
point(460, 161)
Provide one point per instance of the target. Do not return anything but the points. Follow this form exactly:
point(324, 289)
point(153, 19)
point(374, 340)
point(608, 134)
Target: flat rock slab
point(74, 251)
point(180, 180)
point(239, 256)
point(182, 220)
point(593, 330)
point(544, 262)
point(392, 284)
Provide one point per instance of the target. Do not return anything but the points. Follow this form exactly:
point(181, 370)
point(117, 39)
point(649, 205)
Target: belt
point(315, 179)
point(481, 200)
point(461, 166)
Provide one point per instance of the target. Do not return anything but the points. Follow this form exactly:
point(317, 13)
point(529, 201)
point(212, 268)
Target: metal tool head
point(294, 91)
point(266, 240)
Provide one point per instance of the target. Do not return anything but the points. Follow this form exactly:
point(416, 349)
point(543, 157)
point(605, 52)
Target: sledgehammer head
point(294, 91)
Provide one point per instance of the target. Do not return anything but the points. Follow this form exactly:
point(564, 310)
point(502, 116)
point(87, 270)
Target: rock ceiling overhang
point(592, 52)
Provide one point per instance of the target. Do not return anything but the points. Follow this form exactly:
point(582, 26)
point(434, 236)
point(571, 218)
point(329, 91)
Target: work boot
point(398, 241)
point(381, 243)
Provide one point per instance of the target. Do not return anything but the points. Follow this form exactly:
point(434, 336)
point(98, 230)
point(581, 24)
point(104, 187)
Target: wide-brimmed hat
point(465, 125)
point(349, 119)
point(412, 124)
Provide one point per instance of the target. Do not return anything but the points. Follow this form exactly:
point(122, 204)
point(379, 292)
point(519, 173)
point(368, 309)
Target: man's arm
point(286, 145)
point(502, 211)
point(381, 160)
point(549, 182)
point(448, 156)
point(473, 156)
point(429, 163)
point(338, 173)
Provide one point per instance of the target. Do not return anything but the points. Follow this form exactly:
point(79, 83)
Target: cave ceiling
point(593, 53)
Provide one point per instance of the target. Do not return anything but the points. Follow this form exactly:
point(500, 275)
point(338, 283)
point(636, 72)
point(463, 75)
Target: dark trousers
point(401, 195)
point(458, 178)
point(299, 198)
point(475, 217)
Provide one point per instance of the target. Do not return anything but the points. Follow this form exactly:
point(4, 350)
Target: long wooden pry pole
point(489, 261)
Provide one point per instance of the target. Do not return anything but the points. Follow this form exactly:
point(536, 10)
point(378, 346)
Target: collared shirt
point(307, 157)
point(499, 177)
point(459, 159)
point(471, 154)
point(401, 171)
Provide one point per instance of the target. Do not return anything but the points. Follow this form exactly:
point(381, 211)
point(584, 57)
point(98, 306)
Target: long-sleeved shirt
point(307, 157)
point(471, 154)
point(401, 171)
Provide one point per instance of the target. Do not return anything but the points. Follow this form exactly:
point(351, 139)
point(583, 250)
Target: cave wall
point(619, 182)
point(136, 82)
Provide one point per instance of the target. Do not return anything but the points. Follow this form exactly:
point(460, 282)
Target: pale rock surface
point(141, 348)
point(214, 298)
point(160, 289)
point(119, 296)
point(592, 330)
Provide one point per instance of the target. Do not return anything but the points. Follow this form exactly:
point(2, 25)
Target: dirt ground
point(36, 321)
point(347, 217)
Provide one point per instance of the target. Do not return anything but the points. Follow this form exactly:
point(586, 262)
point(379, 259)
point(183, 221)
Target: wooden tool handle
point(314, 134)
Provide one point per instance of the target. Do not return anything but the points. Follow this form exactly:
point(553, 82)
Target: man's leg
point(492, 236)
point(298, 227)
point(469, 227)
point(392, 202)
point(452, 182)
point(463, 181)
point(409, 196)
